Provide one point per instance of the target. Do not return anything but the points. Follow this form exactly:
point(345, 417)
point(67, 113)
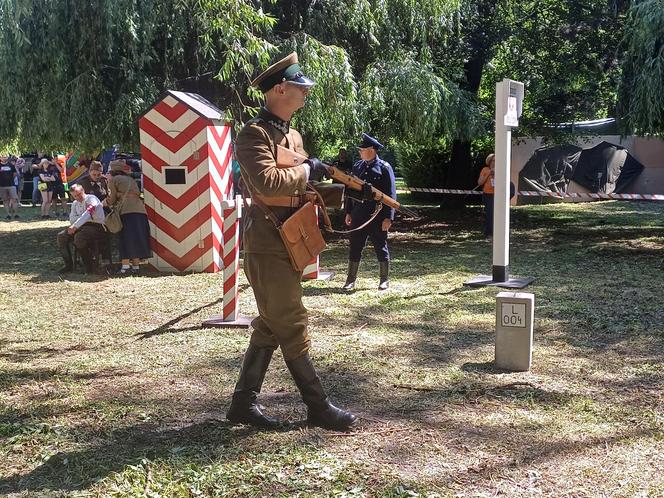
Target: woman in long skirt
point(134, 238)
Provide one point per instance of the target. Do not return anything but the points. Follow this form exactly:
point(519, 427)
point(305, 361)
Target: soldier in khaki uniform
point(282, 320)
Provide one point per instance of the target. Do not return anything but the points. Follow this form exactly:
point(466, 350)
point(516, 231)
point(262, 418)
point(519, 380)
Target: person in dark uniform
point(282, 320)
point(372, 169)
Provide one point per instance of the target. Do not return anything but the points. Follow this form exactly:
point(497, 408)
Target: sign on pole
point(509, 105)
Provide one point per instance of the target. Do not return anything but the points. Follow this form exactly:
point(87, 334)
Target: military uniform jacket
point(98, 189)
point(256, 151)
point(380, 174)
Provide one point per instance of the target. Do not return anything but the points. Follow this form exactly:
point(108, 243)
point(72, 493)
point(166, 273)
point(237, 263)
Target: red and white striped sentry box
point(186, 154)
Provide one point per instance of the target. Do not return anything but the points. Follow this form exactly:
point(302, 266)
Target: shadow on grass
point(424, 410)
point(9, 378)
point(167, 328)
point(486, 367)
point(74, 470)
point(27, 354)
point(425, 407)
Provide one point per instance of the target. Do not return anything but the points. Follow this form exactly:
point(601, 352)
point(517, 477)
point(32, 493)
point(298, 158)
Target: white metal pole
point(501, 206)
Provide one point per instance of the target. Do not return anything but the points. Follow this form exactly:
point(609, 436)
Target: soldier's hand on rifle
point(348, 220)
point(318, 171)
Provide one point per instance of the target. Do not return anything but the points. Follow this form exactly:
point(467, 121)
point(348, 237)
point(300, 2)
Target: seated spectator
point(87, 228)
point(95, 183)
point(8, 187)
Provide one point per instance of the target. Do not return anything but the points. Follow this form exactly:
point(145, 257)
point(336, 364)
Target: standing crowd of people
point(43, 174)
point(94, 196)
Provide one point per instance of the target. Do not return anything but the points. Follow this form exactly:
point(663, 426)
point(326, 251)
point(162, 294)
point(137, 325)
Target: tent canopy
point(604, 168)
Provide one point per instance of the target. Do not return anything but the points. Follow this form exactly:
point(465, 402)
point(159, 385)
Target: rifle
point(287, 158)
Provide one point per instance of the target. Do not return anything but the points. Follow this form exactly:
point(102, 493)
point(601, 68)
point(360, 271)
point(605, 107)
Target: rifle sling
point(327, 223)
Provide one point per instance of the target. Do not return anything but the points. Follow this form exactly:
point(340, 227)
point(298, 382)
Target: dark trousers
point(86, 238)
point(377, 236)
point(488, 210)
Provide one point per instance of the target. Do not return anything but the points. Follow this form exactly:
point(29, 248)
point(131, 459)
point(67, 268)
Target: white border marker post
point(509, 104)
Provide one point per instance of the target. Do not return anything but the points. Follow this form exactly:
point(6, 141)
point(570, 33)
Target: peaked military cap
point(369, 141)
point(287, 69)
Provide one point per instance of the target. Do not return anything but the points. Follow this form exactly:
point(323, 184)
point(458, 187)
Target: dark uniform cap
point(287, 69)
point(369, 141)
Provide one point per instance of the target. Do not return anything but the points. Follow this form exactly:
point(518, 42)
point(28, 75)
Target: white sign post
point(509, 104)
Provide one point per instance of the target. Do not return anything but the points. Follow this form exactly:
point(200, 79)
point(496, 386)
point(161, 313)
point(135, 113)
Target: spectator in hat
point(373, 170)
point(134, 238)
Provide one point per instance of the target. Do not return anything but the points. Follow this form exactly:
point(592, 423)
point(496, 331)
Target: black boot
point(244, 409)
point(320, 411)
point(353, 266)
point(384, 275)
point(65, 252)
point(86, 257)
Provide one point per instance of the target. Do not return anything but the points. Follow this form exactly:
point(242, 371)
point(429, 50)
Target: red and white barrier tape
point(558, 195)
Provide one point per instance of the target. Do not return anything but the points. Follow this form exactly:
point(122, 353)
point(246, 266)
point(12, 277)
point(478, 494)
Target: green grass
point(113, 388)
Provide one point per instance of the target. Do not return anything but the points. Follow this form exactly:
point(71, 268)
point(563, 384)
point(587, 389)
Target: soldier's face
point(367, 154)
point(296, 94)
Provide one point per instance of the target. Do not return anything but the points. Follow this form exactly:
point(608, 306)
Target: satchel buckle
point(305, 235)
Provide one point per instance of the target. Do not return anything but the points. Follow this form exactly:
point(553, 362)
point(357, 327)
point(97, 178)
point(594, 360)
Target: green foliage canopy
point(82, 72)
point(642, 86)
point(417, 73)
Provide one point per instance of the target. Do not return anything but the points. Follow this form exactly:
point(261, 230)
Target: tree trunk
point(460, 173)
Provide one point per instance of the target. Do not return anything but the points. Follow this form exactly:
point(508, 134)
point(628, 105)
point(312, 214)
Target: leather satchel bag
point(302, 237)
point(113, 221)
point(300, 232)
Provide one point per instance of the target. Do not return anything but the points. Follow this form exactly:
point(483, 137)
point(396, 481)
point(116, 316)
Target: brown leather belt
point(291, 201)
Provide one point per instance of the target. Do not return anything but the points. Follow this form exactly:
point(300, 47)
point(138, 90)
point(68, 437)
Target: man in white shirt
point(86, 229)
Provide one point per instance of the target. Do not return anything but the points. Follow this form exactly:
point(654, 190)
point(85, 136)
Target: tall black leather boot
point(384, 267)
point(65, 252)
point(244, 409)
point(320, 412)
point(353, 266)
point(86, 257)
